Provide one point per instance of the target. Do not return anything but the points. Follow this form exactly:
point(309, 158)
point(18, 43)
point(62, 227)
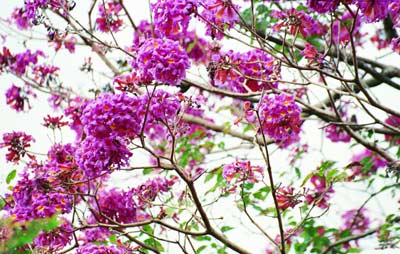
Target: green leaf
point(203, 238)
point(154, 243)
point(148, 229)
point(113, 239)
point(307, 178)
point(201, 248)
point(298, 173)
point(11, 176)
point(2, 203)
point(226, 228)
point(147, 171)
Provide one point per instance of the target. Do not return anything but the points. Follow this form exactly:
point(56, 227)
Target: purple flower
point(22, 60)
point(243, 72)
point(21, 18)
point(33, 198)
point(366, 163)
point(323, 6)
point(172, 17)
point(17, 143)
point(54, 240)
point(101, 249)
point(321, 192)
point(341, 27)
point(240, 171)
point(356, 221)
point(280, 118)
point(373, 10)
point(109, 19)
point(98, 156)
point(395, 122)
point(164, 61)
point(15, 98)
point(219, 15)
point(111, 115)
point(297, 22)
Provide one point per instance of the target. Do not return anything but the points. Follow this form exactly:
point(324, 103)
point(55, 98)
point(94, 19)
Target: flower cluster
point(280, 118)
point(242, 72)
point(33, 198)
point(109, 122)
point(111, 115)
point(171, 17)
point(44, 74)
point(16, 98)
point(195, 46)
point(163, 61)
point(322, 6)
point(365, 163)
point(109, 16)
point(21, 18)
point(286, 198)
point(395, 122)
point(321, 192)
point(297, 22)
point(337, 133)
point(17, 143)
point(129, 206)
point(343, 25)
point(95, 156)
point(312, 55)
point(55, 240)
point(374, 10)
point(356, 221)
point(241, 171)
point(101, 249)
point(219, 15)
point(22, 60)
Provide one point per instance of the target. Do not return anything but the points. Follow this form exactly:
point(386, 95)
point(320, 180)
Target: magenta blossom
point(172, 17)
point(163, 61)
point(17, 143)
point(280, 118)
point(109, 16)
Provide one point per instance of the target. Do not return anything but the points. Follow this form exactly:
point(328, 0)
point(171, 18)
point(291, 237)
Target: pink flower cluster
point(241, 171)
point(219, 15)
point(395, 122)
point(111, 115)
point(16, 98)
point(356, 221)
point(321, 192)
point(286, 198)
point(336, 133)
point(112, 120)
point(366, 163)
point(373, 11)
point(243, 72)
point(91, 248)
point(109, 16)
point(312, 55)
point(55, 240)
point(280, 118)
point(16, 143)
point(34, 198)
point(323, 6)
point(172, 17)
point(130, 206)
point(163, 61)
point(297, 22)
